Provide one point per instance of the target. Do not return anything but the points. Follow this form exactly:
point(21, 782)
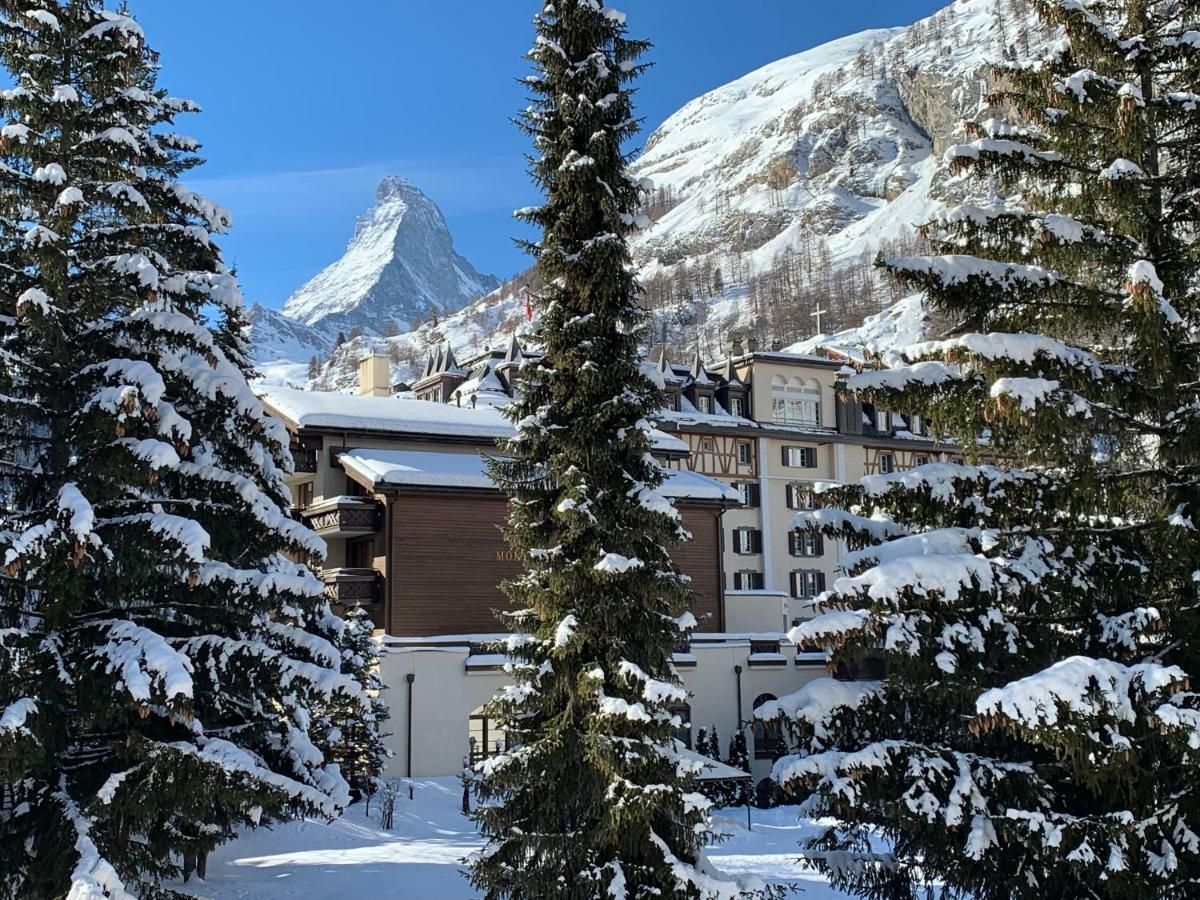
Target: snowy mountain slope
point(400, 265)
point(774, 193)
point(906, 322)
point(839, 143)
point(282, 347)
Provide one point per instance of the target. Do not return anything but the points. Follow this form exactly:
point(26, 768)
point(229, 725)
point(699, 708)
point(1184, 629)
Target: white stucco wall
point(445, 693)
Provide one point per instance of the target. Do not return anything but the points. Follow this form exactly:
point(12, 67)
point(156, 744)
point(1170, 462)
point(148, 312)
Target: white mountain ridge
point(806, 167)
point(400, 266)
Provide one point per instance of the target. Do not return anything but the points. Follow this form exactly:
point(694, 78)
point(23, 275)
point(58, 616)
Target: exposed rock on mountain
point(399, 267)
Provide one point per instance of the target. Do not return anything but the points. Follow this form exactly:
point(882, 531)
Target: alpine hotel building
point(396, 483)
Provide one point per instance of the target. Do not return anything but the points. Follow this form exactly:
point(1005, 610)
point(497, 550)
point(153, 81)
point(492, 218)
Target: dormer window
point(704, 404)
point(736, 406)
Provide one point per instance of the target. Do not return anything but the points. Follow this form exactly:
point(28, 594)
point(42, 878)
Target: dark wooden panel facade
point(449, 558)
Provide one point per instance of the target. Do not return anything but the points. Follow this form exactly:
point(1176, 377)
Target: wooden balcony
point(348, 588)
point(344, 517)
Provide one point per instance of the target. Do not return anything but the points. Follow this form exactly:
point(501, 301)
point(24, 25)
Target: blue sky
point(308, 104)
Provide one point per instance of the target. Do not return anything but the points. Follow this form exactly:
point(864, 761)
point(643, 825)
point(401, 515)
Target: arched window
point(795, 402)
point(485, 736)
point(684, 733)
point(768, 736)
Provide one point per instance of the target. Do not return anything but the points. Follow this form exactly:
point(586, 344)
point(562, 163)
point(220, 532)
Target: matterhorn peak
point(400, 265)
point(397, 187)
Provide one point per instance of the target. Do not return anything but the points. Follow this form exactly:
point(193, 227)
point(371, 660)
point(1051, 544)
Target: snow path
point(421, 857)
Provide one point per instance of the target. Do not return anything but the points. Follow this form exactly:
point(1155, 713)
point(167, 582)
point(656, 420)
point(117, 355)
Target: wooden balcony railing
point(354, 587)
point(342, 517)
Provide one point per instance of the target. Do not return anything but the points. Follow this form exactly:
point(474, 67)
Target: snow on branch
point(943, 481)
point(944, 576)
point(145, 663)
point(93, 877)
point(816, 704)
point(1079, 686)
point(959, 269)
point(15, 716)
point(839, 522)
point(234, 760)
point(1020, 347)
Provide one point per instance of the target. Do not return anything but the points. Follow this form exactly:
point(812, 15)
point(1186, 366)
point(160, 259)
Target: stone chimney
point(375, 376)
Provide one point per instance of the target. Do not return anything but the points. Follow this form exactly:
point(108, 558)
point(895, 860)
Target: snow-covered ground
point(421, 857)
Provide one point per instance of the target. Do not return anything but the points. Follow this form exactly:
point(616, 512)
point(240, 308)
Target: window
point(805, 543)
point(745, 452)
point(915, 425)
point(485, 736)
point(736, 406)
point(883, 421)
point(800, 457)
point(304, 495)
point(749, 491)
point(747, 541)
point(360, 554)
point(748, 580)
point(768, 736)
point(707, 445)
point(921, 460)
point(704, 404)
point(675, 401)
point(802, 496)
point(887, 463)
point(795, 402)
point(807, 583)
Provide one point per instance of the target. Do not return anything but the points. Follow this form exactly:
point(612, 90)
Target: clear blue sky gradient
point(308, 104)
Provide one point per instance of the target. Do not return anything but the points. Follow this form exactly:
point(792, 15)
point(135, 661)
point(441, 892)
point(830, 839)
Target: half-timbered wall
point(901, 459)
point(716, 455)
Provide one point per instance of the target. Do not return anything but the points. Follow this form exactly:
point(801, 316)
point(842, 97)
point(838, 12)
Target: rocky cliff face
point(399, 266)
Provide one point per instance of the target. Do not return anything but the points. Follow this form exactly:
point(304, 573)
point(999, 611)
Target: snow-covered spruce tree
point(351, 734)
point(1034, 734)
point(593, 799)
point(161, 657)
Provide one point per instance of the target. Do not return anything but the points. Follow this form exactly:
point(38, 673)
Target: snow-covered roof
point(710, 769)
point(379, 469)
point(687, 414)
point(354, 412)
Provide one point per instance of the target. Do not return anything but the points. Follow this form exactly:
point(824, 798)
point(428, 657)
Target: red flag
point(528, 308)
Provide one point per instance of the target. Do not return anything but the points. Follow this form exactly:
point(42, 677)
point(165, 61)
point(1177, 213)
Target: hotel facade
point(395, 480)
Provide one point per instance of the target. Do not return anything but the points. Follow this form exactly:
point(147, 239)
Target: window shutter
point(819, 542)
point(756, 541)
point(791, 497)
point(786, 456)
point(737, 581)
point(810, 461)
point(820, 582)
point(755, 494)
point(794, 585)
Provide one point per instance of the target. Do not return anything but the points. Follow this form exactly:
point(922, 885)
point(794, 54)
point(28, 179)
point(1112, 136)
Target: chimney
point(375, 376)
point(752, 345)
